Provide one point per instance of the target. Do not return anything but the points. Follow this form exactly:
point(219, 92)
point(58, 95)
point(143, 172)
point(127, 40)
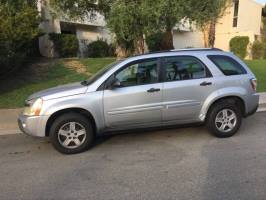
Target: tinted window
point(183, 68)
point(227, 65)
point(139, 73)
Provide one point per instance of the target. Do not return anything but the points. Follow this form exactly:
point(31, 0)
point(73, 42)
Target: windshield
point(96, 76)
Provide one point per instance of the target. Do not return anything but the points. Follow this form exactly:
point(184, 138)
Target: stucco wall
point(249, 23)
point(187, 39)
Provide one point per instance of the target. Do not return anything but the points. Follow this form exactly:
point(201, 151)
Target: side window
point(139, 73)
point(183, 68)
point(227, 65)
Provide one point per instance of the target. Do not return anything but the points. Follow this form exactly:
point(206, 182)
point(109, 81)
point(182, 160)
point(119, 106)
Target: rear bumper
point(252, 112)
point(253, 105)
point(33, 125)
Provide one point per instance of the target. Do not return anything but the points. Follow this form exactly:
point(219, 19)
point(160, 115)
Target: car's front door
point(137, 100)
point(187, 83)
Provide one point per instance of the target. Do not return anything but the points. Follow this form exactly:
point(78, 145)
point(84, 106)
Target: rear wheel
point(71, 133)
point(224, 119)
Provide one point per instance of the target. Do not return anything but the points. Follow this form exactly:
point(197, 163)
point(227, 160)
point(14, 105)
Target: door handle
point(153, 90)
point(205, 83)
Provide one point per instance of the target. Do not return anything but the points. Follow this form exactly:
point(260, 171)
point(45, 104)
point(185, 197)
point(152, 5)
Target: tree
point(18, 27)
point(170, 13)
point(207, 14)
point(133, 20)
point(75, 9)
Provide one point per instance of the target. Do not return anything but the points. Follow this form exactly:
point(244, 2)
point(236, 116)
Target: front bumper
point(33, 125)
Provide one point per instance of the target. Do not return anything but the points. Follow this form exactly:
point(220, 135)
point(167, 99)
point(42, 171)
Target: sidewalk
point(262, 102)
point(8, 117)
point(8, 121)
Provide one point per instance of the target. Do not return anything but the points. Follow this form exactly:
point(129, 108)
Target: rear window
point(227, 65)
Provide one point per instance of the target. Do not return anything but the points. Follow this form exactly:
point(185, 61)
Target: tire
point(71, 133)
point(223, 125)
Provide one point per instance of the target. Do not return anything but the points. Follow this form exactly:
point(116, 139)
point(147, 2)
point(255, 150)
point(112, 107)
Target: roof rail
point(197, 49)
point(180, 50)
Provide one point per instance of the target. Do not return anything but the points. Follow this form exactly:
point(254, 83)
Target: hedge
point(258, 50)
point(154, 42)
point(238, 45)
point(66, 45)
point(100, 48)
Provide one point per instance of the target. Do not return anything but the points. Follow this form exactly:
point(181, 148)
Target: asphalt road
point(181, 163)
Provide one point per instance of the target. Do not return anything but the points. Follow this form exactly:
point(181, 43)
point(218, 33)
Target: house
point(86, 30)
point(242, 18)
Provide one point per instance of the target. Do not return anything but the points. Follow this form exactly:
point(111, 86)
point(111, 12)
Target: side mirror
point(116, 84)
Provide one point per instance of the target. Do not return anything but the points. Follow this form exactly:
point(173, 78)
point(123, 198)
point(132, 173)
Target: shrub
point(66, 45)
point(100, 48)
point(154, 41)
point(18, 28)
point(238, 45)
point(258, 50)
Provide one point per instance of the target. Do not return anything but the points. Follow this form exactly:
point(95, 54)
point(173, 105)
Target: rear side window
point(227, 65)
point(183, 68)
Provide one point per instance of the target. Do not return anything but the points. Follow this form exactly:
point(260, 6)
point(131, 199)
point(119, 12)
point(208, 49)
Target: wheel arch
point(81, 111)
point(234, 99)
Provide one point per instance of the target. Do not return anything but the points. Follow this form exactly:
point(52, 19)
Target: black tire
point(65, 119)
point(215, 110)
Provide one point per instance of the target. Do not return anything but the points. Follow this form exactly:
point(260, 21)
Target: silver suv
point(153, 90)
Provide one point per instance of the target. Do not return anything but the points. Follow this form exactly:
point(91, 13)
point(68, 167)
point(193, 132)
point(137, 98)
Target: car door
point(138, 100)
point(187, 83)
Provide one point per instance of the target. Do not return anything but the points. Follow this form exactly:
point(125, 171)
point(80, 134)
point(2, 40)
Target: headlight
point(34, 107)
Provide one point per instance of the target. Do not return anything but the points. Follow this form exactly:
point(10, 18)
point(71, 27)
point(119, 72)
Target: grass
point(46, 74)
point(258, 67)
point(14, 90)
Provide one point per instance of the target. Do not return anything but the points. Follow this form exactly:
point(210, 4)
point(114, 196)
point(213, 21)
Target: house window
point(236, 7)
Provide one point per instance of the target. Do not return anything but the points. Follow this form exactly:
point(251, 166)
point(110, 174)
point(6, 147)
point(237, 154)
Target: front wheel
point(224, 119)
point(71, 133)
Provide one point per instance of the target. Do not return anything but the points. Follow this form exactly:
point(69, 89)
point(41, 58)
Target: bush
point(238, 45)
point(18, 28)
point(100, 48)
point(258, 50)
point(66, 45)
point(154, 42)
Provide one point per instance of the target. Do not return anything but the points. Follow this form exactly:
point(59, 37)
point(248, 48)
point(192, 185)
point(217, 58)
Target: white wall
point(249, 23)
point(187, 39)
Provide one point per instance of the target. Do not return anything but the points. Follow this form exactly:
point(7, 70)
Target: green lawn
point(259, 69)
point(14, 90)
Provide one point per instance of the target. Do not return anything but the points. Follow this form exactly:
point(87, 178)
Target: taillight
point(253, 83)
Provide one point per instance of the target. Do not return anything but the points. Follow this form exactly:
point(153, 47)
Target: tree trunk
point(167, 41)
point(212, 32)
point(121, 52)
point(205, 38)
point(139, 46)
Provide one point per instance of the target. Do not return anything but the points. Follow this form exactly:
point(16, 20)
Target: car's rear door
point(187, 83)
point(138, 101)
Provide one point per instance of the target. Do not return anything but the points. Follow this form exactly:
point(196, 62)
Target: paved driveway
point(181, 163)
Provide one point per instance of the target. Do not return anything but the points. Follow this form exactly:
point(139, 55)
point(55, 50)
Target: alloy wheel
point(72, 135)
point(226, 120)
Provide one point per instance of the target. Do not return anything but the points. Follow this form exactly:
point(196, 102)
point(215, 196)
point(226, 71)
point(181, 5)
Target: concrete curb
point(9, 126)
